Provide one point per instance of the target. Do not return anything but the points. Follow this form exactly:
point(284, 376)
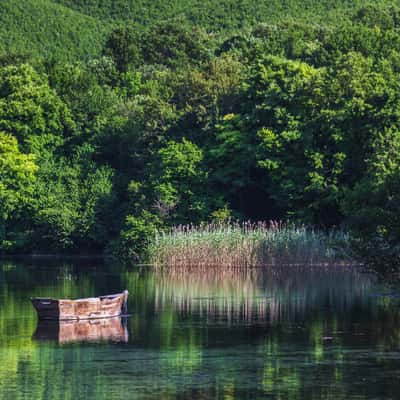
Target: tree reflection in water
point(272, 295)
point(282, 332)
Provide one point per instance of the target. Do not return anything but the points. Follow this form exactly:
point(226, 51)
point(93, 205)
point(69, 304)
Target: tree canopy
point(174, 123)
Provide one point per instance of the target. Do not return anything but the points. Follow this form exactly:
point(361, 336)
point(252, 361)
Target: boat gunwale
point(110, 296)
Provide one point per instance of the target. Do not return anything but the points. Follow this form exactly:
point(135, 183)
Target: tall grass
point(247, 244)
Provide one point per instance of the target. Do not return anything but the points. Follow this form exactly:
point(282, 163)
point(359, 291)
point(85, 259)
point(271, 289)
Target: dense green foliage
point(77, 29)
point(226, 14)
point(47, 29)
point(171, 124)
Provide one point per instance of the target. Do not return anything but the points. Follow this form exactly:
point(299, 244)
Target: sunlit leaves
point(28, 108)
point(17, 175)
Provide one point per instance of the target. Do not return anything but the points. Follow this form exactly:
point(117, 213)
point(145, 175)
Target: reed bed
point(247, 244)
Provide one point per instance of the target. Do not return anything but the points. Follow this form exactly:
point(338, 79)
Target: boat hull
point(89, 308)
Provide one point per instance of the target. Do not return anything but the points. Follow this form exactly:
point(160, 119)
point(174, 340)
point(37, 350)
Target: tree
point(174, 43)
point(231, 158)
point(31, 111)
point(72, 206)
point(123, 46)
point(178, 182)
point(372, 207)
point(17, 179)
point(277, 110)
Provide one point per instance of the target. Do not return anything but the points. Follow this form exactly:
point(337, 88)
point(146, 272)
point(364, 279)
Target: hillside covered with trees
point(77, 29)
point(141, 123)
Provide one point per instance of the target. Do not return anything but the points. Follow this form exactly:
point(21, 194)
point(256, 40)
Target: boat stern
point(46, 308)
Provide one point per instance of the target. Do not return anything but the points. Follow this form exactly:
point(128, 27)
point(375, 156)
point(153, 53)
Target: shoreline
point(57, 256)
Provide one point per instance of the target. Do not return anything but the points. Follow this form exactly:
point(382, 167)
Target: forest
point(134, 124)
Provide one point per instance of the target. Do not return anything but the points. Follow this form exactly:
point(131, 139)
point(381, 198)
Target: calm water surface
point(281, 333)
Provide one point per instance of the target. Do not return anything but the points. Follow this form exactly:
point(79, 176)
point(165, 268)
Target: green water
point(283, 333)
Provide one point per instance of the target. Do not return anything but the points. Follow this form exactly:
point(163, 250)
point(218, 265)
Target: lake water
point(281, 333)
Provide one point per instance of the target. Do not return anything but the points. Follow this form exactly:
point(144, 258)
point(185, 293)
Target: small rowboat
point(93, 307)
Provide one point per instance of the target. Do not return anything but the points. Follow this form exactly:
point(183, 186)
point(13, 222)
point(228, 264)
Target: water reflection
point(264, 295)
point(297, 333)
point(95, 330)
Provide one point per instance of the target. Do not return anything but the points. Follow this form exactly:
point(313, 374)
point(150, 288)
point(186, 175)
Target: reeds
point(247, 244)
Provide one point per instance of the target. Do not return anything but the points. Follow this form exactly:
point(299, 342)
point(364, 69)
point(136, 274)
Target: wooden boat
point(91, 330)
point(94, 307)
